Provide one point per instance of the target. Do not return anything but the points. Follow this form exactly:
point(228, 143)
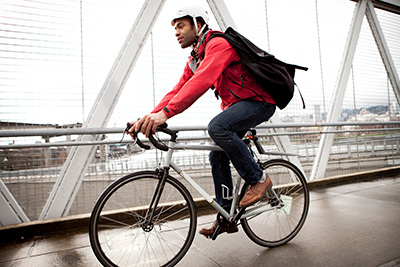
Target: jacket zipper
point(234, 95)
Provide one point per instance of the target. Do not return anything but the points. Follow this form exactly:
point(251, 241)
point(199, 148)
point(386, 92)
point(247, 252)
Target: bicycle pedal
point(211, 236)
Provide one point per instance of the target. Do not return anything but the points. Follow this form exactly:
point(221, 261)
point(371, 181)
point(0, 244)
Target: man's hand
point(148, 123)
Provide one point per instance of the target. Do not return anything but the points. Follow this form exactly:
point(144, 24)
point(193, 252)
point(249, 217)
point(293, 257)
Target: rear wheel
point(287, 207)
point(119, 233)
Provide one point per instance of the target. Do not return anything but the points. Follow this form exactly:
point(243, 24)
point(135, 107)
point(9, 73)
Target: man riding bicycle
point(244, 105)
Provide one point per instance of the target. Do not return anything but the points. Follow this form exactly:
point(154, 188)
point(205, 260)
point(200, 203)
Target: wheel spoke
point(120, 233)
point(278, 225)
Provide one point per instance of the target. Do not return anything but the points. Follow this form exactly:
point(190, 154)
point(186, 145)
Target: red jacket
point(214, 70)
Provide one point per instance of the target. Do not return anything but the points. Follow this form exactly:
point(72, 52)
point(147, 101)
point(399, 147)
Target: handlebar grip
point(138, 142)
point(147, 147)
point(157, 144)
point(162, 128)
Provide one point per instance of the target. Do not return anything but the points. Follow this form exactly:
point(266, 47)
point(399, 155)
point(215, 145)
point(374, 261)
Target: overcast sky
point(49, 76)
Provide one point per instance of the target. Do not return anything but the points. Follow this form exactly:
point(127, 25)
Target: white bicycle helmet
point(193, 10)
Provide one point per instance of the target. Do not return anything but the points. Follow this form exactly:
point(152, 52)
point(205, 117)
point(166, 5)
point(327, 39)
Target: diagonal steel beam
point(325, 144)
point(383, 49)
point(74, 169)
point(11, 212)
point(221, 13)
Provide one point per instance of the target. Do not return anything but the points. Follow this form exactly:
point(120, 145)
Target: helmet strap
point(195, 25)
point(196, 39)
point(202, 29)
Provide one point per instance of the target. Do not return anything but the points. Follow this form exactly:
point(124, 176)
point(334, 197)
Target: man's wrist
point(165, 111)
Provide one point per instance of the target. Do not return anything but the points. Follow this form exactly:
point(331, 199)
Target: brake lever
point(125, 131)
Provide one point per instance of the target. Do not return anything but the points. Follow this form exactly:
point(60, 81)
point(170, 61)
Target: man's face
point(184, 32)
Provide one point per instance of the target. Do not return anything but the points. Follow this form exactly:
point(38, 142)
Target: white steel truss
point(74, 169)
point(11, 212)
point(67, 185)
point(363, 7)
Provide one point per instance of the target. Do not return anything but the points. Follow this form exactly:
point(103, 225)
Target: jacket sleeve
point(218, 55)
point(187, 74)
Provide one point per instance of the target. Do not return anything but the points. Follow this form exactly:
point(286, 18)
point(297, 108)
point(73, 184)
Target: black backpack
point(275, 76)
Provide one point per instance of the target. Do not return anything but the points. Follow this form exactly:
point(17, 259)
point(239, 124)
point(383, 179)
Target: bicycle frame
point(124, 229)
point(168, 162)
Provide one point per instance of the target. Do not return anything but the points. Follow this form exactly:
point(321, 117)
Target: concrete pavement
point(355, 224)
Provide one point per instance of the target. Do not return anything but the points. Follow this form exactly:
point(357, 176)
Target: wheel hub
point(147, 226)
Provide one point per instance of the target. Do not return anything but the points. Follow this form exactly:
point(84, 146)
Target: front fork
point(147, 224)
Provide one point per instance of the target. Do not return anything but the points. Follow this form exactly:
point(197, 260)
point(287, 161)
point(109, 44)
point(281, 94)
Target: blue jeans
point(227, 130)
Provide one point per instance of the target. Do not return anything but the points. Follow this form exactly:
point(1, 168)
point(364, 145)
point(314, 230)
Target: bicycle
point(149, 217)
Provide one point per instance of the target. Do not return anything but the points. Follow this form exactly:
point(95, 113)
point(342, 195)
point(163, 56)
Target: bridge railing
point(30, 168)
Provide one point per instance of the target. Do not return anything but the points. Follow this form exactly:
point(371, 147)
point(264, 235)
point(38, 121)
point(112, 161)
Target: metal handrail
point(97, 131)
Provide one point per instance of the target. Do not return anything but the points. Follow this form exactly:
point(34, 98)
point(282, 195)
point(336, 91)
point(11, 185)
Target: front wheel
point(281, 213)
point(120, 232)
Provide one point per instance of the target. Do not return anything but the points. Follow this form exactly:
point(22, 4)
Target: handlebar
point(156, 143)
point(252, 135)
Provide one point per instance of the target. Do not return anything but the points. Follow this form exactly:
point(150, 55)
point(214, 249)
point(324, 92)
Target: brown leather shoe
point(255, 192)
point(209, 231)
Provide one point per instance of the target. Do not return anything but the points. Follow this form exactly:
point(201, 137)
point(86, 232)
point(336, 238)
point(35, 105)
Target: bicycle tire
point(116, 234)
point(278, 226)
